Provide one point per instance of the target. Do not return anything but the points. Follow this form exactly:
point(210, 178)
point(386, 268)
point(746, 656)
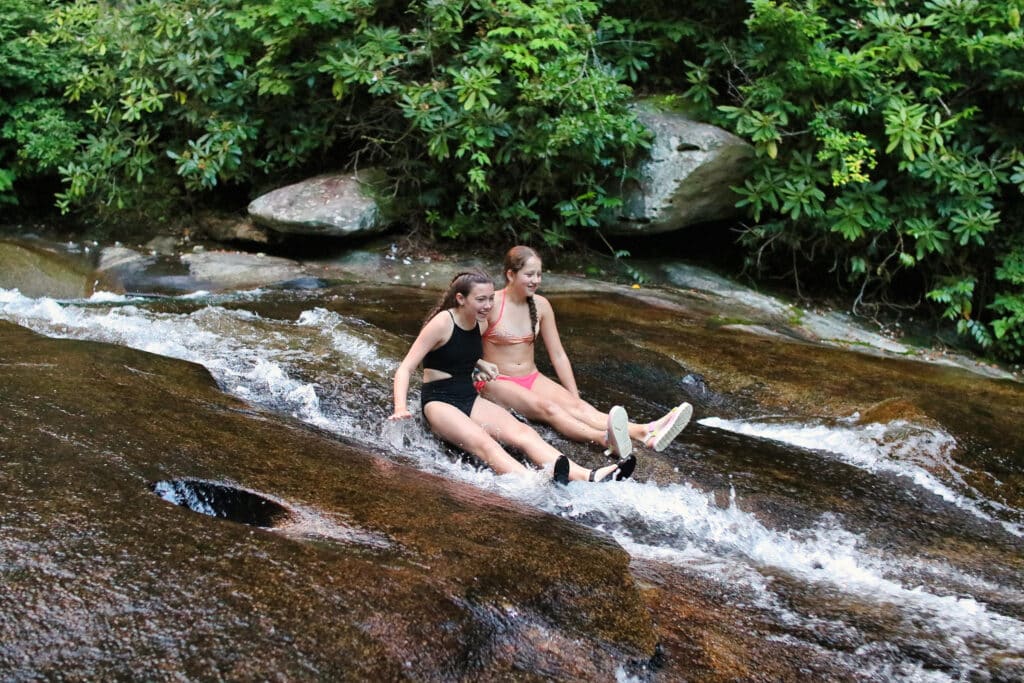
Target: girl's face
point(527, 280)
point(480, 300)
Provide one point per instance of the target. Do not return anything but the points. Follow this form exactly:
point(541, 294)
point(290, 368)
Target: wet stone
point(102, 578)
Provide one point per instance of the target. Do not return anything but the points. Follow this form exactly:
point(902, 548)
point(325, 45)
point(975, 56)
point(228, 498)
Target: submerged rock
point(890, 410)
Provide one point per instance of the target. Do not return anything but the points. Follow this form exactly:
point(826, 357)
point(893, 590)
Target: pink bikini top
point(492, 336)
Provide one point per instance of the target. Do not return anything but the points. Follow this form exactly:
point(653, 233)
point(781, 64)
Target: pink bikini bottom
point(526, 381)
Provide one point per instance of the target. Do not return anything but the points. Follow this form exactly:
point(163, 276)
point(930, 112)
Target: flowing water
point(872, 541)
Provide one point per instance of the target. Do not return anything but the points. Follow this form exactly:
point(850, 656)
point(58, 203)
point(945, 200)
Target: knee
point(549, 410)
point(520, 434)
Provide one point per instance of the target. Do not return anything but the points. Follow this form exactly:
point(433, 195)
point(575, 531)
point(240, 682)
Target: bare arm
point(553, 343)
point(431, 336)
point(486, 369)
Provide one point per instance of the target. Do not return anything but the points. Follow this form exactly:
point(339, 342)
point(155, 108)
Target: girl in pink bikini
point(519, 317)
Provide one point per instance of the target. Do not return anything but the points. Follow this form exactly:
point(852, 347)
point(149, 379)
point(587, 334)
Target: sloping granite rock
point(377, 572)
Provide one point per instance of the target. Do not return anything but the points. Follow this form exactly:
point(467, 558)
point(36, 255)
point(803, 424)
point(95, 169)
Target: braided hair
point(462, 284)
point(515, 260)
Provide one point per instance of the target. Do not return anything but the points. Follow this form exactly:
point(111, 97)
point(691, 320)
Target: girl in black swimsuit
point(450, 348)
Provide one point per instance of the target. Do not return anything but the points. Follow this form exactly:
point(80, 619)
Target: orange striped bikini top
point(491, 335)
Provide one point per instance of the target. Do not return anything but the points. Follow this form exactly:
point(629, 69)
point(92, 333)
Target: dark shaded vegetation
point(890, 149)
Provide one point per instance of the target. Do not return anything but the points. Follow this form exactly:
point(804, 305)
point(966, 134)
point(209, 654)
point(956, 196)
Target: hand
point(485, 370)
point(402, 414)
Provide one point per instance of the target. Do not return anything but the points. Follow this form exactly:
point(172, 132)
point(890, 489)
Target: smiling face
point(479, 301)
point(527, 279)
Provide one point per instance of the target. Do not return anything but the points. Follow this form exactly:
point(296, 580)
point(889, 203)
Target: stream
point(894, 546)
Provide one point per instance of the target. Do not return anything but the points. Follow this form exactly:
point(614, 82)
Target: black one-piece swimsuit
point(457, 357)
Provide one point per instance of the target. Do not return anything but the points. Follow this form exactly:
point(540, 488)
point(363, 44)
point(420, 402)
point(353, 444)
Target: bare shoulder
point(440, 326)
point(495, 313)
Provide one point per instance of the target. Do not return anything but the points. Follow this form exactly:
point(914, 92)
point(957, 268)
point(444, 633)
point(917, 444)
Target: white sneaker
point(669, 427)
point(617, 433)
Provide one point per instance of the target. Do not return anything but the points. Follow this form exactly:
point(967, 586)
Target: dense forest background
point(889, 136)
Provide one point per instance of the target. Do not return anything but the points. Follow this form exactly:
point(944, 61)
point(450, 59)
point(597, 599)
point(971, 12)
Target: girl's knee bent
point(549, 411)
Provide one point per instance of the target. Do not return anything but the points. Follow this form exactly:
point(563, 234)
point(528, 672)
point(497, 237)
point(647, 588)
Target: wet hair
point(515, 260)
point(462, 284)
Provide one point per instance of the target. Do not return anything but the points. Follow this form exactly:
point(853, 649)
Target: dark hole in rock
point(218, 500)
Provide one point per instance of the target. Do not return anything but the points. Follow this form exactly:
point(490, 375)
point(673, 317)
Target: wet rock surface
point(104, 579)
point(750, 558)
point(708, 639)
point(36, 270)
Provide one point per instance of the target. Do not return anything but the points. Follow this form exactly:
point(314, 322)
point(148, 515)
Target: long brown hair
point(515, 260)
point(462, 284)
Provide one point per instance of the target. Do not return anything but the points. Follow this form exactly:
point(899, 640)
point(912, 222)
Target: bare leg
point(455, 427)
point(537, 407)
point(551, 403)
point(552, 393)
point(503, 427)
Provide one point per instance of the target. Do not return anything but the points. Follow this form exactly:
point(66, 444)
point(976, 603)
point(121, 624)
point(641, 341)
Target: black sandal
point(623, 470)
point(561, 470)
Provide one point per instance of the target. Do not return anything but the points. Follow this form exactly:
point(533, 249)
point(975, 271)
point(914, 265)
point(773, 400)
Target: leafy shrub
point(35, 130)
point(487, 113)
point(889, 141)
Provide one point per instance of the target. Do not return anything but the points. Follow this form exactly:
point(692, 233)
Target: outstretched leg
point(551, 403)
point(454, 426)
point(503, 427)
point(538, 407)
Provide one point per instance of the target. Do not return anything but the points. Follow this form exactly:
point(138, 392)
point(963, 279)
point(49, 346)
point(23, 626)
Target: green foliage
point(1008, 305)
point(887, 135)
point(36, 132)
point(477, 108)
point(888, 139)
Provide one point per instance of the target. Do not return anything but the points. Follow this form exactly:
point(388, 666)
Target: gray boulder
point(336, 205)
point(226, 270)
point(685, 180)
point(36, 270)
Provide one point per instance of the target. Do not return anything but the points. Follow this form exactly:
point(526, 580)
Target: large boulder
point(685, 180)
point(337, 205)
point(37, 271)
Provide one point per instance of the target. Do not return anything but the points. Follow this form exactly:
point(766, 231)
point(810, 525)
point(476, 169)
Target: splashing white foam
point(899, 447)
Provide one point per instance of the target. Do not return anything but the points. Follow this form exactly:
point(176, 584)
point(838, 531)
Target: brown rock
point(431, 579)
